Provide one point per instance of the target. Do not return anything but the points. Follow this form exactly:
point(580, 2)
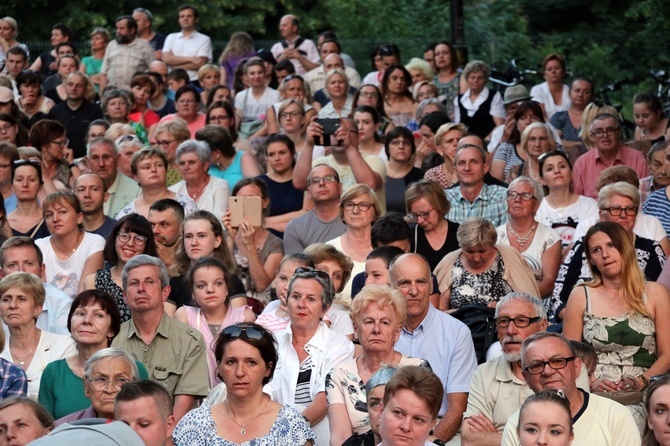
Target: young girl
point(545, 418)
point(209, 280)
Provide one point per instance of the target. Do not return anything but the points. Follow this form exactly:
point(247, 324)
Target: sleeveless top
point(104, 282)
point(625, 344)
point(481, 123)
point(484, 288)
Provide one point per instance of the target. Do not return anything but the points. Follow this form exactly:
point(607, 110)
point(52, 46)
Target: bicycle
point(662, 89)
point(602, 96)
point(512, 76)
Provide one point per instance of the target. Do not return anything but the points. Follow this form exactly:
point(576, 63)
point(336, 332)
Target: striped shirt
point(658, 205)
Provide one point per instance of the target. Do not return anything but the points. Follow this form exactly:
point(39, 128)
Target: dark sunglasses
point(306, 271)
point(233, 332)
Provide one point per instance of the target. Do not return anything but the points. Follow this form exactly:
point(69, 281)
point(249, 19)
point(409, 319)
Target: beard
point(511, 356)
point(123, 40)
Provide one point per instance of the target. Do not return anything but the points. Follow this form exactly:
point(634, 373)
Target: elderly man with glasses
point(606, 132)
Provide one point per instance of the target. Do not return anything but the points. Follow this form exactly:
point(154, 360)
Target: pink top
point(195, 319)
point(588, 167)
point(194, 126)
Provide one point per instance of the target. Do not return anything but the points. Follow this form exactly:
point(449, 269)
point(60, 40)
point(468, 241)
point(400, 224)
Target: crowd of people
point(276, 247)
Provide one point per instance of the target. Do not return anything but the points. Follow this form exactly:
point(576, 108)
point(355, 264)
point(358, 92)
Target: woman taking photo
point(370, 95)
point(359, 207)
point(370, 142)
point(657, 403)
point(21, 299)
point(32, 102)
point(132, 235)
point(337, 90)
point(447, 79)
point(187, 100)
point(209, 193)
point(400, 171)
point(149, 167)
point(568, 122)
point(169, 135)
point(93, 322)
point(650, 122)
point(308, 343)
point(479, 108)
point(143, 88)
point(27, 219)
point(70, 253)
point(553, 95)
point(561, 208)
point(536, 140)
point(446, 143)
point(378, 313)
point(286, 202)
point(539, 245)
point(432, 235)
point(244, 352)
point(213, 311)
point(398, 100)
point(621, 315)
point(257, 251)
point(91, 65)
point(490, 270)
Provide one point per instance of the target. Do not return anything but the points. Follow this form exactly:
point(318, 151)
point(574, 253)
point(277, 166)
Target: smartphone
point(330, 126)
point(250, 208)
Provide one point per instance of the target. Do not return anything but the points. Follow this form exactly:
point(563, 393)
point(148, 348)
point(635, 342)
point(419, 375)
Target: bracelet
point(644, 380)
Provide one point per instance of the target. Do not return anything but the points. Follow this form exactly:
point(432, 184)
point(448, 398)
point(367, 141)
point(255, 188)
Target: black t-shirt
point(419, 244)
point(76, 123)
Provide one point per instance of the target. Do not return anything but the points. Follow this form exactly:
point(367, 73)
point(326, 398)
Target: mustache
point(508, 339)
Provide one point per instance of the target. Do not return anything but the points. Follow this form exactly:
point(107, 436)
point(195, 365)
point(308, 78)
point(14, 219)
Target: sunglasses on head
point(233, 332)
point(308, 271)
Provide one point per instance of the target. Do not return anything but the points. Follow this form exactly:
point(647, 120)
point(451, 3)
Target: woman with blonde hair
point(420, 70)
point(239, 47)
point(446, 143)
point(337, 90)
point(536, 140)
point(9, 30)
point(91, 65)
point(209, 77)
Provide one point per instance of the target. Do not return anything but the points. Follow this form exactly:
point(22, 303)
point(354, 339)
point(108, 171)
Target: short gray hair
point(103, 141)
point(544, 335)
point(426, 102)
point(111, 353)
point(200, 148)
point(538, 193)
point(620, 188)
point(328, 293)
point(141, 260)
point(475, 232)
point(540, 311)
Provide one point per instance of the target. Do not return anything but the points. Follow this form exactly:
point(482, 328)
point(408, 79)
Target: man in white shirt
point(187, 49)
point(300, 51)
point(316, 78)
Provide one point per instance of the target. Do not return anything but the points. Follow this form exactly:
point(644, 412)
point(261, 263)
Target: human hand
point(247, 230)
point(604, 385)
point(68, 155)
point(479, 423)
point(227, 223)
point(314, 130)
point(508, 130)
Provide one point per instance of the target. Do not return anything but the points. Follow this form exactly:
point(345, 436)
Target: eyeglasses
point(415, 216)
point(233, 332)
point(126, 138)
point(599, 133)
point(520, 322)
point(525, 196)
point(368, 94)
point(617, 210)
point(165, 142)
point(325, 179)
point(101, 383)
point(294, 115)
point(350, 205)
point(124, 237)
point(6, 128)
point(307, 271)
point(555, 363)
point(61, 143)
point(218, 118)
point(186, 101)
point(290, 77)
point(28, 162)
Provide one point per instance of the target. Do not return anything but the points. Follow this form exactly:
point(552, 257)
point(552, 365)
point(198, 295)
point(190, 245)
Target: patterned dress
point(104, 282)
point(626, 347)
point(484, 288)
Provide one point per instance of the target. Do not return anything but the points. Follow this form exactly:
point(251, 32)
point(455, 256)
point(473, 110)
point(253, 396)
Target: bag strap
point(37, 228)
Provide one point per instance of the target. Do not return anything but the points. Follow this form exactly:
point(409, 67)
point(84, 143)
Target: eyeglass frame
point(127, 235)
point(513, 195)
point(531, 320)
point(621, 210)
point(95, 383)
point(548, 363)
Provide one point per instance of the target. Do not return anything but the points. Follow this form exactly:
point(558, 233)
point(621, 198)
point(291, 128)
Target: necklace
point(243, 428)
point(22, 361)
point(521, 239)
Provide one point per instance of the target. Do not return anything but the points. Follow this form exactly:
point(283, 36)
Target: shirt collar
point(163, 327)
point(319, 340)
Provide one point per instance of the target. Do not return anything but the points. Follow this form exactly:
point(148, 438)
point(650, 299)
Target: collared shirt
point(175, 357)
point(14, 381)
point(497, 108)
point(316, 78)
point(646, 188)
point(446, 343)
point(589, 166)
point(122, 191)
point(307, 47)
point(195, 45)
point(55, 310)
point(121, 61)
point(491, 204)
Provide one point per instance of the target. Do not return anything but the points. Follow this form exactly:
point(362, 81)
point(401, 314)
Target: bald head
point(158, 66)
point(333, 61)
point(288, 26)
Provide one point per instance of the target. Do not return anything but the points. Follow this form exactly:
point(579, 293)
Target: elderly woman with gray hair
point(308, 349)
point(479, 108)
point(539, 245)
point(481, 271)
point(104, 374)
point(209, 193)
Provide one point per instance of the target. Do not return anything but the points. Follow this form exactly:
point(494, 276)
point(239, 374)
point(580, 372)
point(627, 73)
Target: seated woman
point(209, 77)
point(70, 253)
point(252, 104)
point(539, 245)
point(545, 414)
point(27, 219)
point(359, 207)
point(536, 140)
point(619, 203)
point(66, 64)
point(29, 414)
point(657, 403)
point(275, 315)
point(169, 136)
point(143, 89)
point(568, 123)
point(292, 87)
point(398, 100)
point(257, 251)
point(149, 167)
point(370, 142)
point(308, 349)
point(433, 236)
point(222, 114)
point(420, 70)
point(479, 108)
point(481, 272)
point(401, 172)
point(12, 131)
point(413, 393)
point(286, 202)
point(621, 315)
point(187, 100)
point(208, 192)
point(651, 124)
point(49, 137)
point(292, 121)
point(219, 93)
point(446, 143)
point(337, 89)
point(31, 101)
point(213, 311)
point(345, 384)
point(370, 95)
point(104, 367)
point(431, 117)
point(132, 235)
point(247, 414)
point(21, 299)
point(93, 322)
point(552, 95)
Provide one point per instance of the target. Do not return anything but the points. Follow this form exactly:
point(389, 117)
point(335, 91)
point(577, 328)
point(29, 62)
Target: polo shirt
point(491, 204)
point(195, 45)
point(589, 166)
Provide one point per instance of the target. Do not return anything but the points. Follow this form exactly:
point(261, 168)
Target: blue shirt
point(658, 205)
point(13, 380)
point(491, 204)
point(453, 359)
